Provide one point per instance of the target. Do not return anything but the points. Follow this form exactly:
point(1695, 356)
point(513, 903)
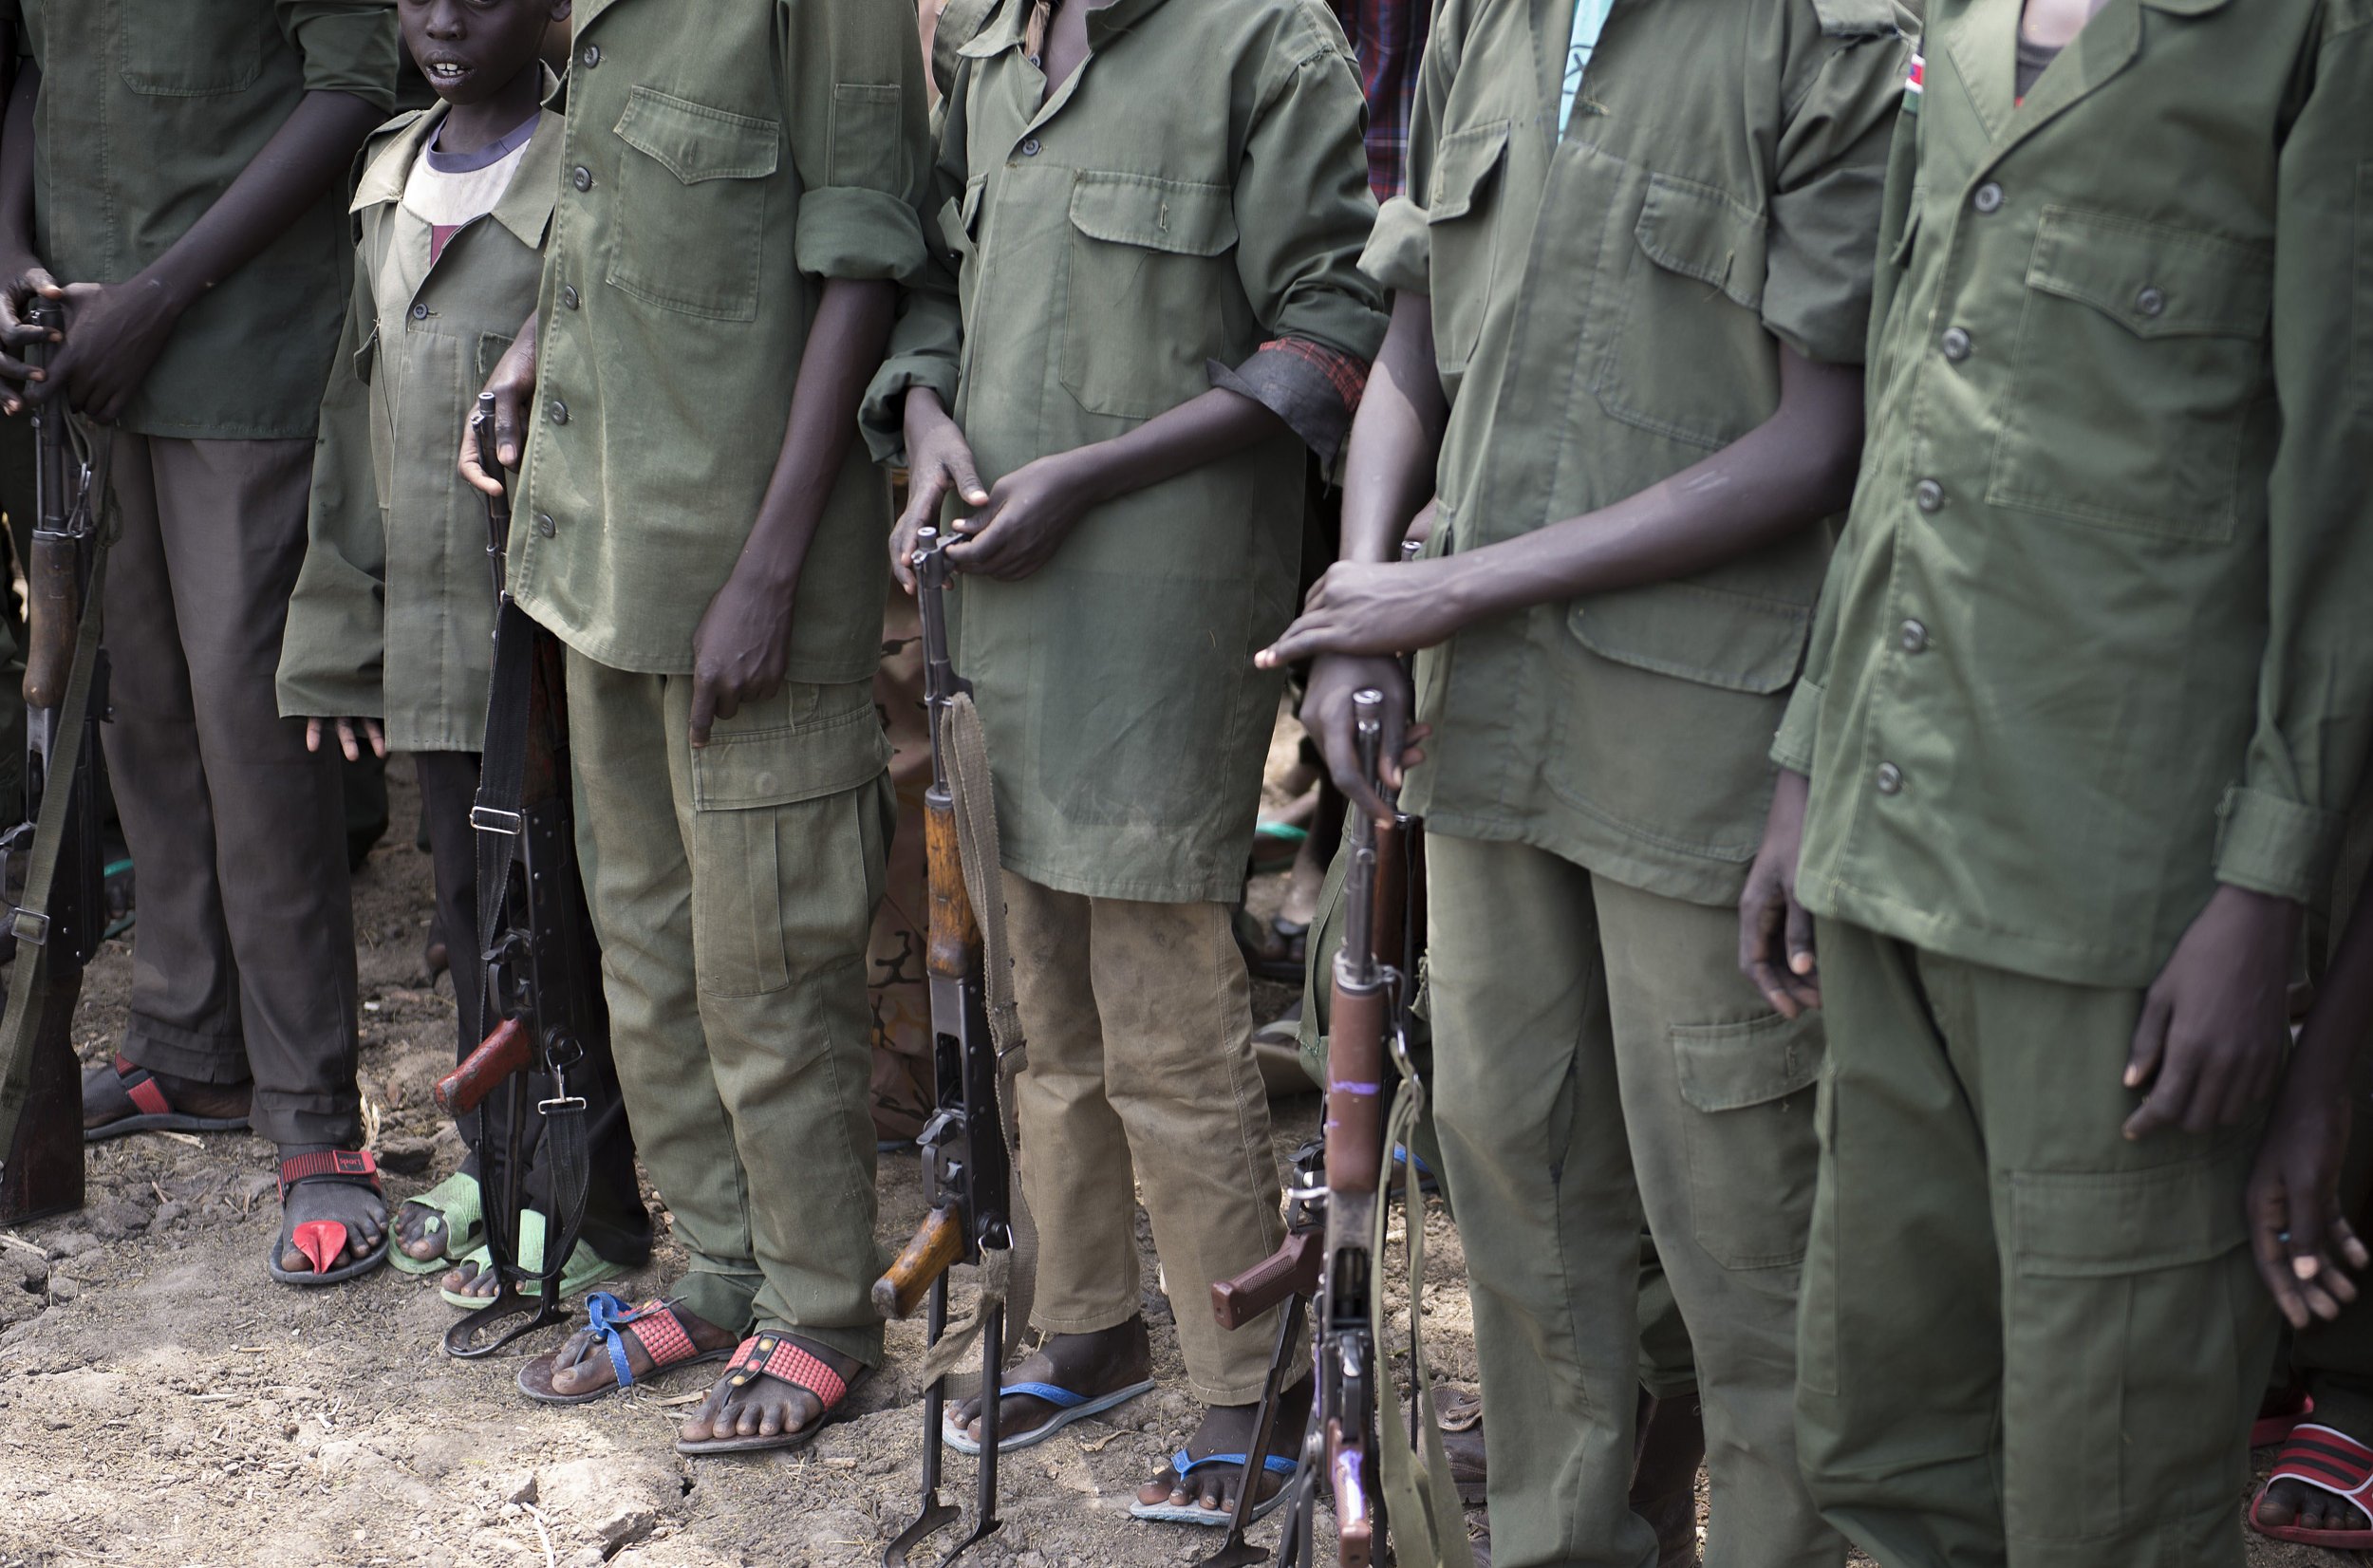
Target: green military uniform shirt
point(149, 109)
point(721, 164)
point(2099, 632)
point(1609, 310)
point(1196, 189)
point(394, 612)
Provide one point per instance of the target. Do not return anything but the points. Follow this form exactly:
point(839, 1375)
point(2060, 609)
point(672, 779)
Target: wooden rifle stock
point(1292, 1269)
point(53, 614)
point(508, 1049)
point(952, 947)
point(935, 1248)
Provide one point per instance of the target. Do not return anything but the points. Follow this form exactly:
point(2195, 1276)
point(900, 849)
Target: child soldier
point(699, 524)
point(390, 633)
point(1628, 321)
point(172, 171)
point(1153, 210)
point(2089, 694)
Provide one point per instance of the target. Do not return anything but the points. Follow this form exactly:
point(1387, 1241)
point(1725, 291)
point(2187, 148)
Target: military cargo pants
point(732, 888)
point(1141, 1078)
point(243, 960)
point(1597, 1060)
point(2025, 1341)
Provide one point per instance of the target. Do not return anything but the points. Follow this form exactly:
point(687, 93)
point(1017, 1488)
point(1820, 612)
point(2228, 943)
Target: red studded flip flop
point(775, 1355)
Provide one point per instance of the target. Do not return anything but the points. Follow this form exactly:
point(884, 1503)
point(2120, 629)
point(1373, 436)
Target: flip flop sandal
point(654, 1326)
point(585, 1268)
point(775, 1355)
point(322, 1240)
point(2330, 1461)
point(457, 1206)
point(152, 1112)
point(1182, 1467)
point(2280, 1416)
point(1069, 1406)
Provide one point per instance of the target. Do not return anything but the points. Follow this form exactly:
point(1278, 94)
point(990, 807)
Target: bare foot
point(763, 1406)
point(467, 1279)
point(359, 1208)
point(1090, 1364)
point(1228, 1429)
point(582, 1365)
point(2309, 1508)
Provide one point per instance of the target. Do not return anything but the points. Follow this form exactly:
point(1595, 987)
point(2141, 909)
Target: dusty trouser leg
point(1176, 1005)
point(1532, 1136)
point(236, 826)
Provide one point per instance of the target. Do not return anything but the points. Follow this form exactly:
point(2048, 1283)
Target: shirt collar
point(525, 207)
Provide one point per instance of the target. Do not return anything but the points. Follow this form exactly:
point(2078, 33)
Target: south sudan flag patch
point(1914, 81)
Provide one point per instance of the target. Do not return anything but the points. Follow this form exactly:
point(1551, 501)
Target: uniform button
point(1914, 637)
point(557, 411)
point(1929, 496)
point(1890, 778)
point(1035, 61)
point(1988, 197)
point(420, 312)
point(582, 178)
point(1957, 343)
point(544, 524)
point(2150, 302)
point(591, 56)
point(568, 296)
point(1030, 147)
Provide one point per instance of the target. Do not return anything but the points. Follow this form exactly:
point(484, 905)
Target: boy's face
point(470, 49)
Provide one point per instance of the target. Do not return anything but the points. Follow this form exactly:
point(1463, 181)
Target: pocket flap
point(1737, 642)
point(2089, 1225)
point(1732, 1066)
point(695, 142)
point(837, 746)
point(2153, 278)
point(1699, 233)
point(1462, 163)
point(1157, 214)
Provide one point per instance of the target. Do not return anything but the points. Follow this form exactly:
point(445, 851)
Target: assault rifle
point(65, 915)
point(543, 965)
point(966, 1174)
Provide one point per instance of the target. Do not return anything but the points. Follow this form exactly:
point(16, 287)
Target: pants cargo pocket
point(784, 868)
point(1752, 1146)
point(2126, 1308)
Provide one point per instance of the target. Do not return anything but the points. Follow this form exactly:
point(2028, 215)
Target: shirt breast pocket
point(1690, 358)
point(1149, 252)
point(196, 48)
point(2153, 340)
point(688, 225)
point(1459, 239)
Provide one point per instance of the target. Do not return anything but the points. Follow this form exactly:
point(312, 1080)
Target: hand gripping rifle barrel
point(497, 504)
point(966, 1178)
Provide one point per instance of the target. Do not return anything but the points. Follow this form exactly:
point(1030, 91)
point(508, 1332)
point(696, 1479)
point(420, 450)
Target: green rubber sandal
point(585, 1269)
point(458, 1207)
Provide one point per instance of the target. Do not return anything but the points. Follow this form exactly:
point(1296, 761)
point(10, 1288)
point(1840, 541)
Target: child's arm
point(22, 275)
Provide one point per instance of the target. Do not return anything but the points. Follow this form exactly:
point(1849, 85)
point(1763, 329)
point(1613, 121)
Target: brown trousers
point(243, 960)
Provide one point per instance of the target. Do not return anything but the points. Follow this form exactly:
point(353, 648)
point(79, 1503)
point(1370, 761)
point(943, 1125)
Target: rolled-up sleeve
point(855, 101)
point(1826, 203)
point(2315, 681)
point(926, 341)
point(1399, 253)
point(347, 45)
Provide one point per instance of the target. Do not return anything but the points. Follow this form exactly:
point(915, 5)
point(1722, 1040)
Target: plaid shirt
point(1389, 36)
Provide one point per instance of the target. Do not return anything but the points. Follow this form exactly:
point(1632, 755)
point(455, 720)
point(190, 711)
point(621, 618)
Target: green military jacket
point(2099, 632)
point(1198, 188)
point(1609, 310)
point(720, 163)
point(394, 612)
point(148, 110)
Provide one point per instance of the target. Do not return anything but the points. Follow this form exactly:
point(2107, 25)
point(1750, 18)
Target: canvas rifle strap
point(1009, 1277)
point(28, 980)
point(1428, 1524)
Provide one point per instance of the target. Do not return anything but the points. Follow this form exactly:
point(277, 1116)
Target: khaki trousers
point(1141, 1077)
point(2027, 1341)
point(731, 891)
point(243, 959)
point(1598, 1060)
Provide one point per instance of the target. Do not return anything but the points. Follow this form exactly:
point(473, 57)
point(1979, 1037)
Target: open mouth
point(445, 71)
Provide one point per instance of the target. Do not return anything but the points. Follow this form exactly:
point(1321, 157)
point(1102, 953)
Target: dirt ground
point(163, 1403)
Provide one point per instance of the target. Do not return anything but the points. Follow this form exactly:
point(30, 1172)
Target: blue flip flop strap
point(1275, 1464)
point(1062, 1399)
point(604, 1312)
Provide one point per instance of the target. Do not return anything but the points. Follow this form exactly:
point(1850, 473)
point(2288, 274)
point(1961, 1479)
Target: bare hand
point(1775, 932)
point(2215, 1023)
point(1361, 606)
point(349, 741)
point(2296, 1222)
point(1028, 514)
point(939, 464)
point(1327, 715)
point(740, 651)
point(26, 282)
point(114, 332)
point(514, 385)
